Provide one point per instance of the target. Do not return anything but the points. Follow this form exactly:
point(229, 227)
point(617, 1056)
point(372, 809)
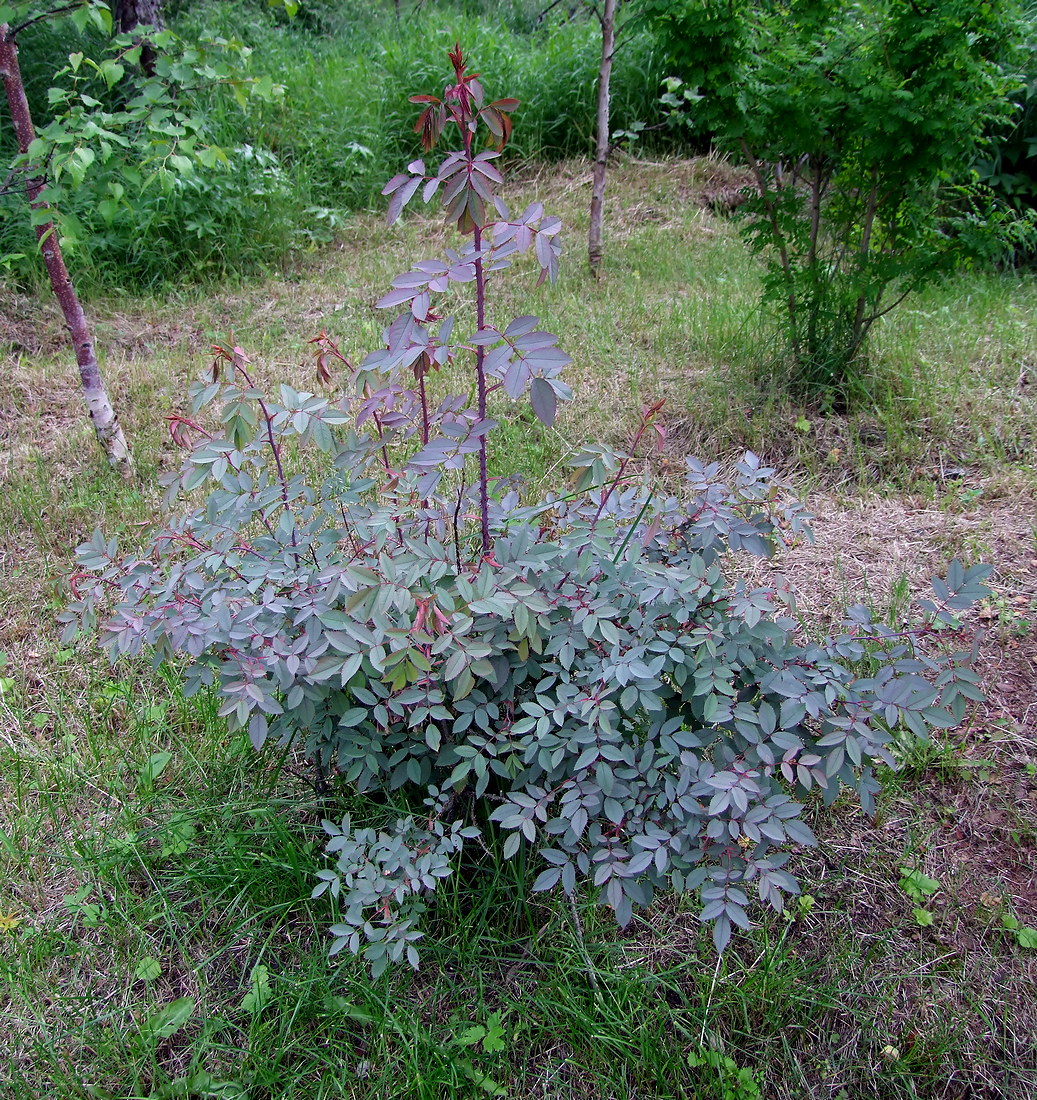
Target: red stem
point(480, 313)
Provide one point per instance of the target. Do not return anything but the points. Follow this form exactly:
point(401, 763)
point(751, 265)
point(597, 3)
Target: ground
point(117, 860)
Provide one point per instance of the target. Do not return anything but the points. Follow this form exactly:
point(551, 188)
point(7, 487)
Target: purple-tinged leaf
point(531, 341)
point(430, 189)
point(403, 196)
point(484, 337)
point(546, 879)
point(397, 181)
point(520, 326)
point(434, 453)
point(475, 210)
point(549, 360)
point(516, 378)
point(395, 298)
point(497, 360)
point(454, 188)
point(454, 208)
point(257, 730)
point(502, 232)
point(543, 252)
point(416, 167)
point(481, 188)
point(483, 427)
point(431, 267)
point(411, 279)
point(533, 213)
point(501, 207)
point(544, 401)
point(721, 934)
point(420, 306)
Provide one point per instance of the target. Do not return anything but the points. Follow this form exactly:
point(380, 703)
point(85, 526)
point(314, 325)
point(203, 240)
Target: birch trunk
point(608, 48)
point(131, 14)
point(105, 420)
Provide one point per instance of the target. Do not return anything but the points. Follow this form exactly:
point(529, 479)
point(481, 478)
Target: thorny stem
point(480, 375)
point(646, 419)
point(457, 520)
point(464, 121)
point(424, 405)
point(268, 421)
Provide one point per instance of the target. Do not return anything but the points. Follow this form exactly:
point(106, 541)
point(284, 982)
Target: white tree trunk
point(106, 422)
point(608, 48)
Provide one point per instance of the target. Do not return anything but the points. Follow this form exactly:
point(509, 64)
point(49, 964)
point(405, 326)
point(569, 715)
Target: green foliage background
point(324, 148)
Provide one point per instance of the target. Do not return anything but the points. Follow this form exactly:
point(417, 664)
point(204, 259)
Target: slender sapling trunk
point(106, 422)
point(608, 49)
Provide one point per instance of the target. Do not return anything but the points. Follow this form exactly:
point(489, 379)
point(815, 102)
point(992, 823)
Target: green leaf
point(200, 1086)
point(154, 766)
point(341, 1007)
point(470, 1035)
point(916, 885)
point(148, 969)
point(923, 918)
point(111, 72)
point(494, 1039)
point(259, 994)
point(169, 1020)
point(1027, 937)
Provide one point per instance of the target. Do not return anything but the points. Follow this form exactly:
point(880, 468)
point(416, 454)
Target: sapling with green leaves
point(859, 123)
point(151, 129)
point(584, 676)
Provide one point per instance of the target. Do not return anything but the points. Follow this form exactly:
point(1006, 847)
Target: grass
point(159, 872)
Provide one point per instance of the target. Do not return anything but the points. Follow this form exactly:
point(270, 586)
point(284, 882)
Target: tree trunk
point(608, 48)
point(106, 422)
point(131, 14)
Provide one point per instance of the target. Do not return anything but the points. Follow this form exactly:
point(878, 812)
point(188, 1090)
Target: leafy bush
point(1006, 165)
point(134, 180)
point(582, 674)
point(860, 123)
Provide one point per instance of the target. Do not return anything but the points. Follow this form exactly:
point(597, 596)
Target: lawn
point(157, 938)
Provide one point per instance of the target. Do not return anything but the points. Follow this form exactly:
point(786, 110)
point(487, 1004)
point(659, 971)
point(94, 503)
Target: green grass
point(141, 879)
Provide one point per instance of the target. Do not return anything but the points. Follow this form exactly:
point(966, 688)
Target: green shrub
point(582, 674)
point(860, 122)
